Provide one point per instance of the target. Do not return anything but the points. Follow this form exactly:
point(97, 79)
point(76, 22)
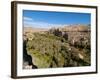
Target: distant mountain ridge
point(32, 30)
point(68, 28)
point(75, 28)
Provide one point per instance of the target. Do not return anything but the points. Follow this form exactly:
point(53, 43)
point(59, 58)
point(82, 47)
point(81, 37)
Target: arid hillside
point(66, 46)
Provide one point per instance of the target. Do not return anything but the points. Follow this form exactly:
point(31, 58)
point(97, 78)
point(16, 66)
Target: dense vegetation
point(54, 49)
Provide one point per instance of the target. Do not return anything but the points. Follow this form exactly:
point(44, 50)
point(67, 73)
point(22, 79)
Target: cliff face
point(59, 47)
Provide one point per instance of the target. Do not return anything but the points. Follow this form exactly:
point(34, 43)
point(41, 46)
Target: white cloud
point(36, 24)
point(29, 22)
point(27, 19)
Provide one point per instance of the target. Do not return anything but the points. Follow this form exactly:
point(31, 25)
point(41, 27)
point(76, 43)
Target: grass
point(48, 50)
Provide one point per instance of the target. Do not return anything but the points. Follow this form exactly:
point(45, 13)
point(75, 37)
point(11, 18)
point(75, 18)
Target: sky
point(48, 19)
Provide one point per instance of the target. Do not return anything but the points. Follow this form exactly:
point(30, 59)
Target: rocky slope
point(58, 47)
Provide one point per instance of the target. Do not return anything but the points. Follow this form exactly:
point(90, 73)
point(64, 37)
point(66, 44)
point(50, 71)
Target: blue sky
point(47, 19)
